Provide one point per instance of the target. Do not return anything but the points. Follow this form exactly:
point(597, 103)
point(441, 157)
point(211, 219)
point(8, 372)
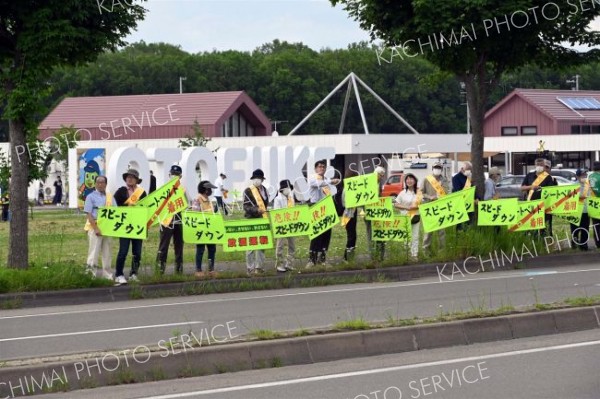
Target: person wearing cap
point(376, 248)
point(256, 200)
point(532, 188)
point(435, 186)
point(171, 228)
point(580, 232)
point(594, 183)
point(98, 245)
point(408, 201)
point(202, 203)
point(129, 195)
point(284, 199)
point(220, 192)
point(490, 184)
point(319, 187)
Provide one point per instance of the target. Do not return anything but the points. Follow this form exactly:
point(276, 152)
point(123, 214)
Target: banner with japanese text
point(123, 221)
point(530, 216)
point(165, 202)
point(323, 216)
point(446, 211)
point(469, 197)
point(501, 212)
point(247, 234)
point(397, 229)
point(593, 207)
point(381, 210)
point(203, 228)
point(361, 190)
point(561, 199)
point(290, 222)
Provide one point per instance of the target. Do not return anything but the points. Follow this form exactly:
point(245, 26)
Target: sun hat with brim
point(437, 165)
point(134, 173)
point(258, 174)
point(285, 184)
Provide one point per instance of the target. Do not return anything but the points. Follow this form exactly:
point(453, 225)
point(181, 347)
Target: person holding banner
point(376, 248)
point(129, 195)
point(462, 181)
point(318, 188)
point(98, 244)
point(594, 183)
point(284, 199)
point(435, 186)
point(580, 232)
point(532, 185)
point(256, 200)
point(408, 201)
point(349, 217)
point(171, 228)
point(202, 203)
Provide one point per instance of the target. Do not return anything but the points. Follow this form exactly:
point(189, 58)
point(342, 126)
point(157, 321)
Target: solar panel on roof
point(580, 103)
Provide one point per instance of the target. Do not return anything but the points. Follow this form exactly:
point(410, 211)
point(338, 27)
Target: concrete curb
point(396, 273)
point(110, 369)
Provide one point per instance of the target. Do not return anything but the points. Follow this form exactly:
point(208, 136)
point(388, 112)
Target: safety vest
point(325, 189)
point(259, 201)
point(88, 225)
point(537, 182)
point(436, 186)
point(135, 197)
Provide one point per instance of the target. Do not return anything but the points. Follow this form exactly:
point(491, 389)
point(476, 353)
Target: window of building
point(510, 131)
point(237, 126)
point(575, 129)
point(595, 128)
point(528, 130)
point(586, 129)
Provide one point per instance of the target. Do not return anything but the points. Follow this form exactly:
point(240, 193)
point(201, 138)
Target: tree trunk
point(18, 251)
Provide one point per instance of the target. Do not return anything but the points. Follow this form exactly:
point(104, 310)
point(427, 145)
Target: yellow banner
point(381, 210)
point(561, 199)
point(203, 228)
point(397, 229)
point(593, 207)
point(446, 211)
point(361, 190)
point(530, 216)
point(247, 234)
point(323, 216)
point(502, 212)
point(469, 197)
point(123, 222)
point(165, 202)
point(290, 222)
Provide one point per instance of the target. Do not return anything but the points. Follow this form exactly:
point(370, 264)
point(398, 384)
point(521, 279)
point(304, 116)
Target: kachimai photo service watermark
point(111, 362)
point(518, 19)
point(109, 5)
point(431, 385)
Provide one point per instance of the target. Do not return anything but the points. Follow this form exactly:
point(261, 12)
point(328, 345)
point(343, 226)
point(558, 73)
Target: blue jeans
point(136, 250)
point(212, 249)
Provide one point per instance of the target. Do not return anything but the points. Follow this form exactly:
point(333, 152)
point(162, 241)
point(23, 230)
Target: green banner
point(361, 190)
point(123, 221)
point(469, 197)
point(247, 234)
point(203, 228)
point(381, 210)
point(502, 212)
point(574, 219)
point(530, 216)
point(593, 207)
point(323, 216)
point(397, 229)
point(290, 222)
point(561, 199)
point(445, 211)
point(165, 202)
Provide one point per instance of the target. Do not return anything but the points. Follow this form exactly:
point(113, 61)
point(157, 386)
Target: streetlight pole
point(181, 79)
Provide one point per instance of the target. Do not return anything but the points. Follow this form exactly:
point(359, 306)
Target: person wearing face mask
point(532, 186)
point(434, 186)
point(462, 180)
point(171, 228)
point(580, 233)
point(256, 200)
point(490, 184)
point(408, 201)
point(284, 199)
point(202, 203)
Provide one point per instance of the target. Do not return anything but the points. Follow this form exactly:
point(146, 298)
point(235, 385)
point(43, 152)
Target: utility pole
point(181, 79)
point(574, 79)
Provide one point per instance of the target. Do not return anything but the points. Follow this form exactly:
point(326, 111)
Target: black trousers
point(221, 205)
point(176, 232)
point(351, 233)
point(136, 250)
point(320, 245)
point(580, 233)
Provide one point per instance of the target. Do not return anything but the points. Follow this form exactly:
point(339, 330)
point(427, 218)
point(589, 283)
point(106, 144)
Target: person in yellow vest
point(285, 199)
point(435, 186)
point(532, 188)
point(320, 187)
point(171, 227)
point(580, 233)
point(129, 195)
point(256, 200)
point(202, 203)
point(408, 201)
point(97, 243)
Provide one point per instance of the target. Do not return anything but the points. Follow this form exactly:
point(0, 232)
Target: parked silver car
point(510, 185)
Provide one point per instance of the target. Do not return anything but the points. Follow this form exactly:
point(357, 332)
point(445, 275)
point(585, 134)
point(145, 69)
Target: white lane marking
point(373, 371)
point(540, 273)
point(97, 331)
point(377, 287)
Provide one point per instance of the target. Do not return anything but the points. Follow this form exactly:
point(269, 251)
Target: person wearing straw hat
point(129, 195)
point(284, 199)
point(256, 200)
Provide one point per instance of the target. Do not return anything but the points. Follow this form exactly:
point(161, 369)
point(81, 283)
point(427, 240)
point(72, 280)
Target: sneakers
point(133, 277)
point(120, 280)
point(107, 275)
point(281, 269)
point(90, 270)
point(309, 265)
point(289, 267)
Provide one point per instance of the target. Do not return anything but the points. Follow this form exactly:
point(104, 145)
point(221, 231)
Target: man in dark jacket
point(256, 200)
point(532, 188)
point(171, 228)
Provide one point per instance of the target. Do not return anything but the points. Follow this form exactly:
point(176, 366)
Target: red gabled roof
point(546, 102)
point(206, 108)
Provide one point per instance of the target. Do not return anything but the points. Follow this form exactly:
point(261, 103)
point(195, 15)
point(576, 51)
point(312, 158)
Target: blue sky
point(204, 25)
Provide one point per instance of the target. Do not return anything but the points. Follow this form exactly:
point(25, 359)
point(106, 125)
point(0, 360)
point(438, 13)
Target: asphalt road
point(29, 333)
point(551, 367)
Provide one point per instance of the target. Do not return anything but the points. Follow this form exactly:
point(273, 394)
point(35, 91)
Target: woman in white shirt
point(408, 201)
